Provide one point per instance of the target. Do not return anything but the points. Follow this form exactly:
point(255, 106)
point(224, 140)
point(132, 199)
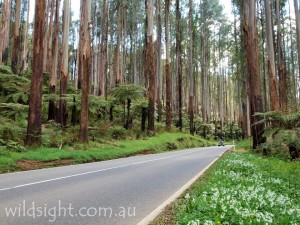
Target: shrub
point(55, 136)
point(12, 146)
point(5, 70)
point(283, 137)
point(117, 132)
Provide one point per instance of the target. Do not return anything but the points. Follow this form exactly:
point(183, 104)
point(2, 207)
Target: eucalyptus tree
point(103, 50)
point(34, 127)
point(292, 64)
point(85, 54)
point(151, 64)
point(64, 69)
point(283, 97)
point(297, 15)
point(168, 67)
point(240, 65)
point(52, 112)
point(4, 29)
point(271, 60)
point(191, 68)
point(251, 48)
point(25, 46)
point(118, 75)
point(51, 27)
point(211, 17)
point(16, 46)
point(179, 62)
point(158, 61)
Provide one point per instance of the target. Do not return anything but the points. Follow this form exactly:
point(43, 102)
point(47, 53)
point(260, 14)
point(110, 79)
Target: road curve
point(115, 192)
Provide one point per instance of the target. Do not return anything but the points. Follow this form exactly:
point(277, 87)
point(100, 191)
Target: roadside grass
point(49, 157)
point(241, 188)
point(244, 144)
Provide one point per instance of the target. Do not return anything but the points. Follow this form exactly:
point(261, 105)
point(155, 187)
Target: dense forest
point(141, 67)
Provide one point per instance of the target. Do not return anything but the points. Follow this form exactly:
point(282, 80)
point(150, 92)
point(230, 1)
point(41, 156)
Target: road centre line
point(95, 171)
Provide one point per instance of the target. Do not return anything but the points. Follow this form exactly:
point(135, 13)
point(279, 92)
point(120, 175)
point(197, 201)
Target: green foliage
point(138, 106)
point(98, 105)
point(280, 119)
point(18, 97)
point(245, 144)
point(117, 132)
point(7, 164)
point(12, 145)
point(12, 130)
point(12, 84)
point(127, 91)
point(13, 110)
point(243, 188)
point(55, 136)
point(215, 130)
point(283, 137)
point(5, 70)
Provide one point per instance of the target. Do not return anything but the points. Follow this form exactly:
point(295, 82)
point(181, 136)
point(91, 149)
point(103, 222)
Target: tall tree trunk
point(80, 47)
point(64, 64)
point(25, 44)
point(34, 127)
point(292, 66)
point(50, 35)
point(297, 15)
point(85, 57)
point(204, 47)
point(4, 27)
point(151, 64)
point(5, 30)
point(158, 63)
point(52, 112)
point(117, 48)
point(179, 63)
point(270, 60)
point(135, 68)
point(191, 69)
point(145, 53)
point(251, 47)
point(103, 51)
point(16, 48)
point(47, 34)
point(124, 36)
point(168, 67)
point(264, 88)
point(281, 63)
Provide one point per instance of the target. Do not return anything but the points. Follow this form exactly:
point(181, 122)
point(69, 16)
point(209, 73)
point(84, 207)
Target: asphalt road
point(116, 192)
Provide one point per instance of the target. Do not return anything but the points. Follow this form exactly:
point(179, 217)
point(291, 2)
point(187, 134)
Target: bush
point(12, 146)
point(160, 127)
point(281, 143)
point(5, 70)
point(55, 136)
point(117, 132)
point(283, 137)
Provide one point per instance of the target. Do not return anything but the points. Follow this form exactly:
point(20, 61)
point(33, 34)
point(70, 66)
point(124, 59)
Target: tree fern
point(18, 97)
point(5, 70)
point(13, 110)
point(129, 91)
point(11, 84)
point(280, 119)
point(283, 134)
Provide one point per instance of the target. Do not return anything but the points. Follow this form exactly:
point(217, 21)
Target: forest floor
point(241, 188)
point(44, 157)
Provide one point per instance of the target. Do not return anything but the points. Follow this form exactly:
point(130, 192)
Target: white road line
point(95, 171)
